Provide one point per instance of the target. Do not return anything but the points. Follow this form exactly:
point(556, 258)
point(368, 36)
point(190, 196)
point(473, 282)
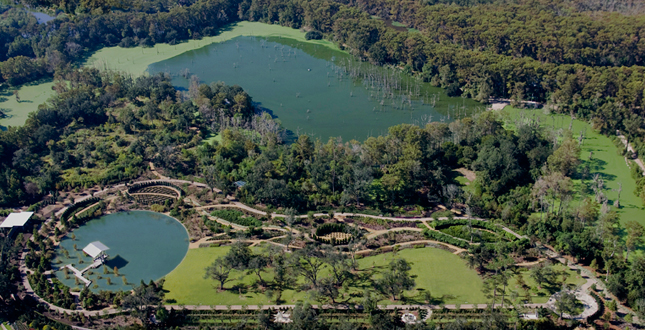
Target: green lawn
point(30, 97)
point(606, 161)
point(542, 295)
point(444, 274)
point(137, 59)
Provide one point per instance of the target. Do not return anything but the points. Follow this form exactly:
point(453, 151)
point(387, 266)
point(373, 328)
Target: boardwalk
point(79, 274)
point(203, 210)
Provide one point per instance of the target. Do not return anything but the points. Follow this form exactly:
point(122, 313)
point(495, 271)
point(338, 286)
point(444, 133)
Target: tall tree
point(395, 279)
point(220, 271)
point(634, 236)
point(141, 302)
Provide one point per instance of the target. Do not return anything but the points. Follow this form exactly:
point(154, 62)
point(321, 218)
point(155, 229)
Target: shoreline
point(136, 60)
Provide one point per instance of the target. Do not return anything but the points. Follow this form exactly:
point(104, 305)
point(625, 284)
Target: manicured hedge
point(441, 237)
point(237, 217)
point(439, 224)
point(458, 231)
point(78, 206)
point(134, 187)
point(601, 307)
point(328, 228)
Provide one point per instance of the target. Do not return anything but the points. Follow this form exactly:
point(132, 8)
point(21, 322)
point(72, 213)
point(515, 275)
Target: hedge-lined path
point(277, 215)
point(28, 290)
point(582, 292)
point(377, 233)
point(153, 194)
point(457, 251)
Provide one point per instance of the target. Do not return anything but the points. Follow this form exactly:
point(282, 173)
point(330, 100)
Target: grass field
point(444, 274)
point(30, 97)
point(136, 60)
point(606, 161)
point(542, 295)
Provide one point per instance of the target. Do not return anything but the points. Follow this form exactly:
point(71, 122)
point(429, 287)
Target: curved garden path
point(108, 311)
point(375, 233)
point(249, 209)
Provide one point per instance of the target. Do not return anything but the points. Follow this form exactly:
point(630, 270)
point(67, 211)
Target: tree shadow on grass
point(242, 289)
point(421, 298)
point(597, 165)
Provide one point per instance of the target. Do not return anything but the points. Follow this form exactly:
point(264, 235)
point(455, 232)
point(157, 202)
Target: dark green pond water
point(314, 90)
point(143, 246)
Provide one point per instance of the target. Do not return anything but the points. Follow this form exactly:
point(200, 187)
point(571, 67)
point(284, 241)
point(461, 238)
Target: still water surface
point(143, 246)
point(315, 90)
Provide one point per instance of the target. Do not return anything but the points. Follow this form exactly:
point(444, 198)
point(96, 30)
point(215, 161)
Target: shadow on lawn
point(596, 165)
point(424, 297)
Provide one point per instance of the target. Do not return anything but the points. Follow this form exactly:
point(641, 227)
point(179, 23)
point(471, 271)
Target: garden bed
point(381, 224)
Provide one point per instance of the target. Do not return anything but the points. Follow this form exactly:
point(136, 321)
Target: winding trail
point(28, 290)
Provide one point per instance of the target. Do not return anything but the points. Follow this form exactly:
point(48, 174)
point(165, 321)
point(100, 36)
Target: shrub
point(601, 307)
point(237, 217)
point(453, 90)
point(441, 237)
point(78, 206)
point(329, 228)
point(460, 231)
point(313, 35)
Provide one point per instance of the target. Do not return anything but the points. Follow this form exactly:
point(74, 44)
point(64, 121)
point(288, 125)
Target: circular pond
point(143, 246)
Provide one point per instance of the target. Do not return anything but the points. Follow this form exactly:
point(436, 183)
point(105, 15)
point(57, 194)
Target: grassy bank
point(442, 273)
point(136, 60)
point(606, 161)
point(30, 97)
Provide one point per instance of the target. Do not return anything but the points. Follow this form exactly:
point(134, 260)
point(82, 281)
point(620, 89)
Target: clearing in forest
point(606, 161)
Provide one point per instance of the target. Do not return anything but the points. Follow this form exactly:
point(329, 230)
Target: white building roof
point(94, 249)
point(16, 219)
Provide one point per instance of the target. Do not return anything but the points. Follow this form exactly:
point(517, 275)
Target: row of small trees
point(139, 185)
point(320, 270)
point(77, 206)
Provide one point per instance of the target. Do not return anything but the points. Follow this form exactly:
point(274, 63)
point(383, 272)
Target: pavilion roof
point(16, 219)
point(95, 249)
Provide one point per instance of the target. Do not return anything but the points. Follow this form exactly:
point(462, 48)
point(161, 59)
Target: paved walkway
point(385, 231)
point(277, 215)
point(30, 292)
point(631, 149)
point(590, 304)
point(79, 274)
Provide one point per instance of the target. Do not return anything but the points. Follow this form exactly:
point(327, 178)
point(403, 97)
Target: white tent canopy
point(95, 249)
point(16, 220)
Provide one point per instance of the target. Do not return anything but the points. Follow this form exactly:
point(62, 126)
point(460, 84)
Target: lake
point(143, 246)
point(315, 90)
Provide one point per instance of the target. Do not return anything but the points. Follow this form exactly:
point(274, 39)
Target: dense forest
point(579, 62)
point(582, 58)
